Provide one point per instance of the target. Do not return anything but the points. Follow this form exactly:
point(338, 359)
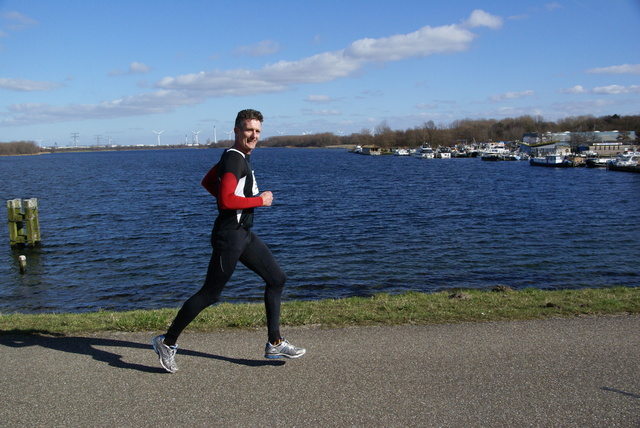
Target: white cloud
point(134, 68)
point(138, 67)
point(150, 103)
point(329, 66)
point(176, 91)
point(426, 41)
point(24, 85)
point(512, 95)
point(616, 69)
point(17, 20)
point(590, 107)
point(617, 89)
point(603, 90)
point(322, 112)
point(265, 47)
point(480, 18)
point(578, 89)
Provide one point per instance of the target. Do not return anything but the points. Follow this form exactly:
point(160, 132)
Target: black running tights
point(229, 247)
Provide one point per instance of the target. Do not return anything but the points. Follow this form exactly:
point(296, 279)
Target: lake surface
point(130, 230)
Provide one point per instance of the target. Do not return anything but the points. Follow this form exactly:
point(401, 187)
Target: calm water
point(130, 230)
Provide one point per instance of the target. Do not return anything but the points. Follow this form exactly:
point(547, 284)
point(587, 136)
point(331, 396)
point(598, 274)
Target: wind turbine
point(196, 134)
point(40, 142)
point(281, 132)
point(159, 135)
point(228, 134)
point(215, 136)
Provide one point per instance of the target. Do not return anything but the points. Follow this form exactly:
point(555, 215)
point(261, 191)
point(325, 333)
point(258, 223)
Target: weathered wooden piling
point(16, 225)
point(31, 221)
point(24, 227)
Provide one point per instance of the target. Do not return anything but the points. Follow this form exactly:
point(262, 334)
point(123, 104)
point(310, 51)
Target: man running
point(233, 184)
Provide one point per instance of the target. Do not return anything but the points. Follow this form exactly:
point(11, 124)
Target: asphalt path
point(580, 372)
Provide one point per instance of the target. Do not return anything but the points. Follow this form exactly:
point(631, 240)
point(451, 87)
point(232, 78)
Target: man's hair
point(248, 114)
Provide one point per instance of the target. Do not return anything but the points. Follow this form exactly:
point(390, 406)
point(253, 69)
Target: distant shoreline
point(137, 148)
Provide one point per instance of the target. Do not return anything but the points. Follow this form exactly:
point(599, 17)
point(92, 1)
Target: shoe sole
point(274, 356)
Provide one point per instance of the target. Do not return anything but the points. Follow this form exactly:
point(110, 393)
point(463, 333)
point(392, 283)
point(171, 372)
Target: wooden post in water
point(24, 228)
point(22, 260)
point(16, 226)
point(31, 221)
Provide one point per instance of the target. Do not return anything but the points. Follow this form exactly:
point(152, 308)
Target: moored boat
point(597, 162)
point(491, 157)
point(511, 157)
point(424, 152)
point(555, 160)
point(494, 152)
point(628, 162)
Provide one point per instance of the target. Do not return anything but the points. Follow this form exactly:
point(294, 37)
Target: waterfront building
point(606, 143)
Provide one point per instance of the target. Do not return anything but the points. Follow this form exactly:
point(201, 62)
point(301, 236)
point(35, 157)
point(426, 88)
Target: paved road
point(555, 373)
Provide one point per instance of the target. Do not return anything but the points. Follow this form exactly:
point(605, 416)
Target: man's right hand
point(267, 198)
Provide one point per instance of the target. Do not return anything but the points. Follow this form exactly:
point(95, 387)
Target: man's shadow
point(90, 346)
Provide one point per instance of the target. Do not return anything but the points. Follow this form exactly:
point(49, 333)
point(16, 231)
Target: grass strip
point(380, 309)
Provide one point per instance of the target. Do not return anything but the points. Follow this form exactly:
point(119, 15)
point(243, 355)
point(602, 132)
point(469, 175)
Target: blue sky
point(122, 69)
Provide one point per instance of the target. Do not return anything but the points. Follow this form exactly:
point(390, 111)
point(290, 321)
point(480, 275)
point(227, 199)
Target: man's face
point(247, 136)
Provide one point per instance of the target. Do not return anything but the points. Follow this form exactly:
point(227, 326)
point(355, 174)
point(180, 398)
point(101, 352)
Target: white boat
point(597, 162)
point(464, 152)
point(424, 152)
point(553, 160)
point(494, 152)
point(401, 152)
point(511, 157)
point(628, 161)
point(490, 156)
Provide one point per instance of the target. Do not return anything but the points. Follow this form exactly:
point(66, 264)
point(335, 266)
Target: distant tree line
point(461, 131)
point(19, 148)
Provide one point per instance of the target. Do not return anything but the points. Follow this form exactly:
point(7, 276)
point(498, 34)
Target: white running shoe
point(166, 354)
point(283, 349)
